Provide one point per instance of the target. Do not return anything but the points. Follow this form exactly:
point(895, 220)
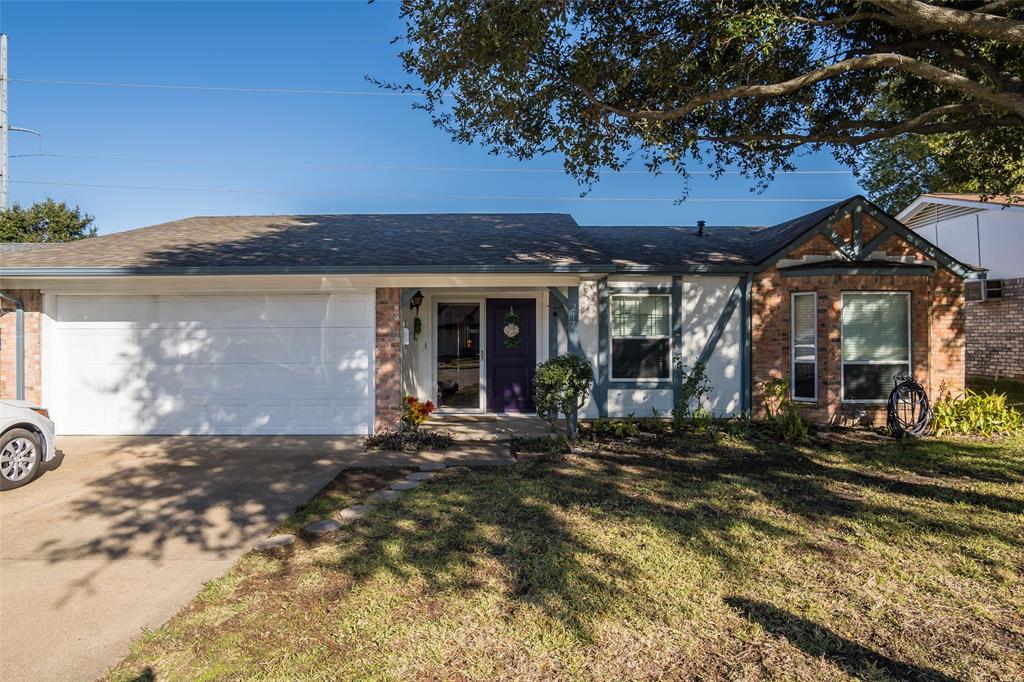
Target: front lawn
point(736, 558)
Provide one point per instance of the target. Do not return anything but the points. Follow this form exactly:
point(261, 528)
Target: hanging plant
point(511, 330)
point(417, 327)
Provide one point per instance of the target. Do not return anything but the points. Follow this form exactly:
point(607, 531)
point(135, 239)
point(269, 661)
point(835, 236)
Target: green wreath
point(511, 330)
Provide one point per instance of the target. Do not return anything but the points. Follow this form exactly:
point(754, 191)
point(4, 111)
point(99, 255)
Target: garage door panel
point(334, 347)
point(174, 372)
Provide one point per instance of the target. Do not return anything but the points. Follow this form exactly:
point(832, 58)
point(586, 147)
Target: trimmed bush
point(561, 385)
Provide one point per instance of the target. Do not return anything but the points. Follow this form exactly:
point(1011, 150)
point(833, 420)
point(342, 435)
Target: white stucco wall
point(704, 298)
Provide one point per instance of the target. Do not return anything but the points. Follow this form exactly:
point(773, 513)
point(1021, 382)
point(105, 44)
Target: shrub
point(414, 412)
point(408, 441)
point(975, 414)
point(561, 385)
point(549, 445)
point(783, 413)
point(693, 389)
point(704, 422)
point(655, 424)
point(616, 428)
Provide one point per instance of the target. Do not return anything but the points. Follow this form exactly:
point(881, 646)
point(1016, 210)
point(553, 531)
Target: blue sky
point(308, 153)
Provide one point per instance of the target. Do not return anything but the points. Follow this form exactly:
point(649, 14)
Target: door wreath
point(511, 329)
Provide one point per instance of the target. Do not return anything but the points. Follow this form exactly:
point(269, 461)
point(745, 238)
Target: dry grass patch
point(851, 558)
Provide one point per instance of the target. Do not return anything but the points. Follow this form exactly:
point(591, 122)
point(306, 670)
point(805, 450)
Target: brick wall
point(388, 360)
point(31, 299)
point(937, 329)
point(995, 334)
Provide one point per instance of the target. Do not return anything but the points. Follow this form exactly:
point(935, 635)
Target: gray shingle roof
point(455, 241)
point(11, 247)
point(414, 242)
point(668, 247)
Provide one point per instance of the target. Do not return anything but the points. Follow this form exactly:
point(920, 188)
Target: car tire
point(21, 454)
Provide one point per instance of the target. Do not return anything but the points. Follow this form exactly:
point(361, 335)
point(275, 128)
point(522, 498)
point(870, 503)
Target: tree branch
point(923, 15)
point(790, 141)
point(998, 6)
point(1011, 101)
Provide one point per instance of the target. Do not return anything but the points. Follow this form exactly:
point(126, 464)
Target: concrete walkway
point(124, 531)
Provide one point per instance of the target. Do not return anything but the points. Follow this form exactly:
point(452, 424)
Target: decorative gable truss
point(862, 239)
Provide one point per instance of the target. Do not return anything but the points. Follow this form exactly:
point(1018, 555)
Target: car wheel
point(20, 455)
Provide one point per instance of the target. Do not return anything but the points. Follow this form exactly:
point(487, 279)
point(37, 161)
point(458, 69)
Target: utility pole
point(3, 121)
point(6, 127)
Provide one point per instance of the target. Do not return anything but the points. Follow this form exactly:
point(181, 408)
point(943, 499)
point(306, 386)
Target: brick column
point(8, 345)
point(388, 360)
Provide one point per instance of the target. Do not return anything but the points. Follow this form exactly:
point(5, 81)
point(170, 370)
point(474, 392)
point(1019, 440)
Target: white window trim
point(612, 337)
point(842, 333)
point(792, 346)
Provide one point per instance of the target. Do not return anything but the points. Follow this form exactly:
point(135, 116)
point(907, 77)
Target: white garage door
point(212, 364)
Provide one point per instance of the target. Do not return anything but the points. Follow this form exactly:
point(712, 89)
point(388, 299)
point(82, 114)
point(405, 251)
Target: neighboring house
point(989, 234)
point(306, 324)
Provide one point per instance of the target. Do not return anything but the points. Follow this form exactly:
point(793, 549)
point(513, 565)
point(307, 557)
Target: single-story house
point(308, 324)
point(987, 231)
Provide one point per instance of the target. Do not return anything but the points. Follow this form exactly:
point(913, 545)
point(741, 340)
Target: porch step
point(488, 427)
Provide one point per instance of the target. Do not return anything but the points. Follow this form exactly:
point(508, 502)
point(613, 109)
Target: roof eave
point(29, 272)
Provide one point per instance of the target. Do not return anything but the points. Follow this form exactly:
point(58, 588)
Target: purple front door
point(510, 366)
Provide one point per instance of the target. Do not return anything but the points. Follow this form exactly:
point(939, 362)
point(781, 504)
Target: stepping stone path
point(385, 495)
point(432, 466)
point(275, 541)
point(404, 485)
point(356, 512)
point(322, 526)
point(420, 476)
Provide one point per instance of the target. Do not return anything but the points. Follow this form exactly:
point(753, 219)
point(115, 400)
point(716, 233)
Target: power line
point(354, 166)
point(386, 195)
point(218, 88)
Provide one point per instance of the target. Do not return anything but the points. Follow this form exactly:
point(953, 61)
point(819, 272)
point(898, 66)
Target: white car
point(26, 442)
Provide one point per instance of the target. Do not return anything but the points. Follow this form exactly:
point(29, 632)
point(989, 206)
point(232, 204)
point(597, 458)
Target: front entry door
point(511, 361)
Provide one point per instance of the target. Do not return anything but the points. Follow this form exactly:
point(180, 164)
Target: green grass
point(1014, 390)
point(857, 557)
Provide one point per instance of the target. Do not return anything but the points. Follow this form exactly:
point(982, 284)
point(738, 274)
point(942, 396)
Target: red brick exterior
point(388, 360)
point(31, 299)
point(995, 334)
point(936, 320)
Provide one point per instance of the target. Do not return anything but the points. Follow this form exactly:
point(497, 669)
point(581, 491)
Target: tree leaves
point(45, 221)
point(723, 83)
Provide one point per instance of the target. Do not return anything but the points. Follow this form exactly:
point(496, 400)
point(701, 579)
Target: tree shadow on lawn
point(967, 458)
point(528, 518)
point(818, 641)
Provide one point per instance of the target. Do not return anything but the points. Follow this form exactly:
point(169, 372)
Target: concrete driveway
point(124, 531)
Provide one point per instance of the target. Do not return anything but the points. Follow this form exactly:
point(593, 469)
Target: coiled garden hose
point(909, 412)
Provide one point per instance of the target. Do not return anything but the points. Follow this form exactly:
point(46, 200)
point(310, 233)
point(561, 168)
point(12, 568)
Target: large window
point(876, 343)
point(641, 337)
point(805, 346)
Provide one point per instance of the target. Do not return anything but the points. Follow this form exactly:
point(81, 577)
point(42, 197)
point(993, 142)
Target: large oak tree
point(746, 83)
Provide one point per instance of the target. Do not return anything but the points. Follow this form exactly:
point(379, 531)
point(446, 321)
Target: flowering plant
point(414, 412)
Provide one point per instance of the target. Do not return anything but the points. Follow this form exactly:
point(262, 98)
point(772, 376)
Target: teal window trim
point(603, 342)
point(677, 336)
point(746, 331)
point(646, 383)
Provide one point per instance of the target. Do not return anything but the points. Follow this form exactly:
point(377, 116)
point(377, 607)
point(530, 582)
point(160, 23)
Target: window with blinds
point(804, 377)
point(641, 337)
point(876, 343)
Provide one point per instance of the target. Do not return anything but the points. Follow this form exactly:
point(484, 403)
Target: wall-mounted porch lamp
point(416, 301)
